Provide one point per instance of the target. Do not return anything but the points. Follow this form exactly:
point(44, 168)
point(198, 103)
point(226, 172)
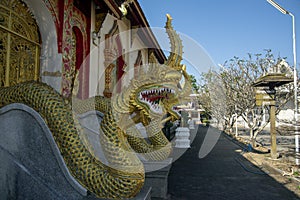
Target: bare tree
point(213, 97)
point(236, 93)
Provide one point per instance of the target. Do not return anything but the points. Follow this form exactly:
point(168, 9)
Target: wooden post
point(269, 82)
point(273, 131)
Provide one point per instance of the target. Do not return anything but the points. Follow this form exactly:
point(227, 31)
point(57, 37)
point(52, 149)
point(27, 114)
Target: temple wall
point(97, 68)
point(50, 60)
point(131, 44)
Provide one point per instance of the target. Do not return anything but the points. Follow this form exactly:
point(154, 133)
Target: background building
point(85, 45)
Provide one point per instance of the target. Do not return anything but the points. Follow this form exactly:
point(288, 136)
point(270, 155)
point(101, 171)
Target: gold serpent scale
point(157, 147)
point(120, 139)
point(123, 179)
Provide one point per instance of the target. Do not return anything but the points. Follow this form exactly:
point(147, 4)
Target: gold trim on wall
point(19, 44)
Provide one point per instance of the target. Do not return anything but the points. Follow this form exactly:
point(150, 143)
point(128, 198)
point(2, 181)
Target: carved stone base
point(31, 165)
point(157, 177)
point(182, 137)
point(191, 125)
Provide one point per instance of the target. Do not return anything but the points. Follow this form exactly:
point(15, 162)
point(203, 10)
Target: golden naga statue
point(147, 100)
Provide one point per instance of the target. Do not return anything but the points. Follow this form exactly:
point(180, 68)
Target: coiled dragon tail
point(123, 179)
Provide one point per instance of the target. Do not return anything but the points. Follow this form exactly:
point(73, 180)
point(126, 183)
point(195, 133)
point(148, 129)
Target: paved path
point(222, 174)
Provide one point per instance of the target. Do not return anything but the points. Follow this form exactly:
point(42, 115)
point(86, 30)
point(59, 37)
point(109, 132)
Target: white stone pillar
point(182, 137)
point(191, 124)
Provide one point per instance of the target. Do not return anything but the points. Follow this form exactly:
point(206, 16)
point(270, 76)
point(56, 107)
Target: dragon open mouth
point(153, 97)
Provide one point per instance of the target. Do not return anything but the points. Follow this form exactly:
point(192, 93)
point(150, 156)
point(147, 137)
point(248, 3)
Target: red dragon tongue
point(155, 98)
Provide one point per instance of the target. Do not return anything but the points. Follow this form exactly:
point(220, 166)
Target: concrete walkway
point(222, 174)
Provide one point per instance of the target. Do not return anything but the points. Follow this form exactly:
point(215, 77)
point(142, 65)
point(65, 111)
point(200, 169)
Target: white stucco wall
point(95, 55)
point(50, 60)
point(286, 115)
point(137, 45)
point(130, 53)
point(97, 68)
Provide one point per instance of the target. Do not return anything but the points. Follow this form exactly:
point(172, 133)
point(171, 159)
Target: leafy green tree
point(194, 83)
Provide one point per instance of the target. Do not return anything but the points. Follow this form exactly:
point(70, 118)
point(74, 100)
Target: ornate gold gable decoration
point(19, 44)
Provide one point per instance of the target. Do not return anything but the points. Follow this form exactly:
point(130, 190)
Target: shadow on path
point(222, 174)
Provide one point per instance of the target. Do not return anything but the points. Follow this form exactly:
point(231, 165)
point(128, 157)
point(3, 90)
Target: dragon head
point(158, 91)
point(158, 88)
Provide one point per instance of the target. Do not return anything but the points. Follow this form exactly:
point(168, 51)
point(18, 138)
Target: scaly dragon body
point(149, 98)
point(146, 100)
point(123, 179)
